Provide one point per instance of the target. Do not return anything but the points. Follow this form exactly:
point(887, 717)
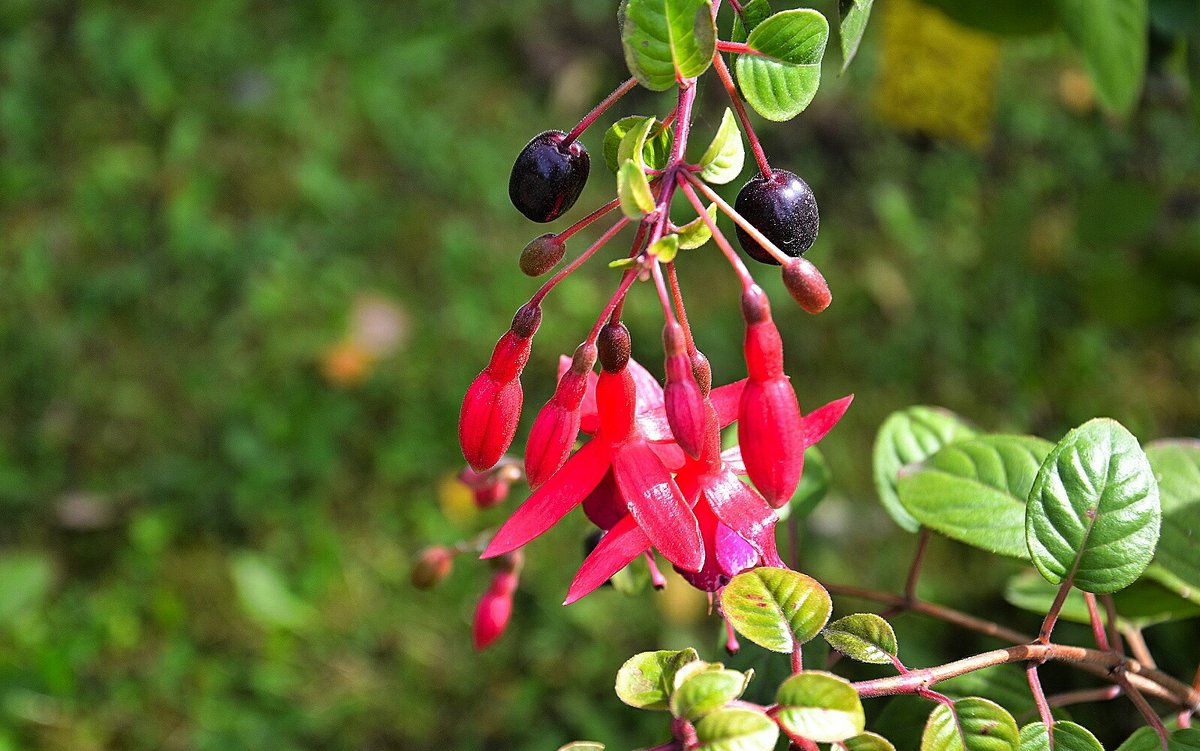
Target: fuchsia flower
point(495, 606)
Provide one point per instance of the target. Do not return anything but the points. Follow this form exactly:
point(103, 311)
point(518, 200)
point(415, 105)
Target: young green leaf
point(655, 151)
point(974, 491)
point(819, 706)
point(723, 159)
point(632, 146)
point(908, 436)
point(667, 40)
point(1093, 512)
point(664, 248)
point(633, 191)
point(646, 680)
point(981, 725)
point(737, 729)
point(865, 637)
point(868, 742)
point(1068, 736)
point(782, 76)
point(696, 233)
point(1176, 464)
point(776, 608)
point(755, 12)
point(1111, 35)
point(707, 691)
point(623, 263)
point(1140, 605)
point(854, 15)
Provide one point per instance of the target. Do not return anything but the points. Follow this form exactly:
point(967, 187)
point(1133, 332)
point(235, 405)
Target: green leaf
point(776, 608)
point(974, 491)
point(1176, 465)
point(868, 742)
point(667, 40)
point(819, 706)
point(696, 233)
point(1142, 739)
point(781, 80)
point(908, 436)
point(707, 691)
point(25, 580)
point(635, 577)
point(1186, 739)
point(1111, 36)
point(664, 248)
point(725, 156)
point(865, 637)
point(623, 263)
point(633, 191)
point(854, 15)
point(646, 680)
point(814, 485)
point(656, 149)
point(1068, 736)
point(736, 730)
point(264, 596)
point(1007, 685)
point(632, 146)
point(982, 726)
point(582, 746)
point(1093, 513)
point(1140, 605)
point(755, 12)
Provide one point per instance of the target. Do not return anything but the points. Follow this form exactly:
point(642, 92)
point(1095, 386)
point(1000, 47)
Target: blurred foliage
point(214, 465)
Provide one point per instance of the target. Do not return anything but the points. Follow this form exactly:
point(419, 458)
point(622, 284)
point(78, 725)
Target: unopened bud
point(771, 438)
point(682, 398)
point(806, 285)
point(488, 421)
point(542, 254)
point(431, 566)
point(494, 610)
point(614, 347)
point(764, 351)
point(756, 308)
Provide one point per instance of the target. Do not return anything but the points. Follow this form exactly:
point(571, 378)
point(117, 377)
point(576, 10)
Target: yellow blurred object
point(346, 363)
point(1076, 92)
point(938, 77)
point(680, 603)
point(456, 500)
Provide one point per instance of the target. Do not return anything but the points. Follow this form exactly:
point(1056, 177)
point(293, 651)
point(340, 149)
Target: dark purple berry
point(548, 177)
point(783, 208)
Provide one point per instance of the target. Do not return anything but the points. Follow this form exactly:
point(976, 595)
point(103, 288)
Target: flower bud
point(490, 487)
point(806, 285)
point(614, 347)
point(764, 351)
point(682, 397)
point(557, 424)
point(771, 438)
point(542, 254)
point(431, 566)
point(494, 609)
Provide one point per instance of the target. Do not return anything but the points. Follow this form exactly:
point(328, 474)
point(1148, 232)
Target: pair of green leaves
point(1085, 509)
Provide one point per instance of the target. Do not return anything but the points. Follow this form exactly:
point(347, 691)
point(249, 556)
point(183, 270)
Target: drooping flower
point(495, 606)
point(643, 484)
point(557, 424)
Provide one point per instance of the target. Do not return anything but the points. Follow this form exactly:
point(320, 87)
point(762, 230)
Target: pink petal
point(658, 506)
point(733, 554)
point(564, 491)
point(741, 509)
point(726, 400)
point(617, 549)
point(732, 458)
point(649, 392)
point(669, 454)
point(709, 578)
point(816, 424)
point(589, 415)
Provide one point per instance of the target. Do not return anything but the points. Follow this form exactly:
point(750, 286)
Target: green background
point(206, 539)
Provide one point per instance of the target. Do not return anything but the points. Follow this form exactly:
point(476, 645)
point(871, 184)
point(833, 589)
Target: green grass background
point(194, 195)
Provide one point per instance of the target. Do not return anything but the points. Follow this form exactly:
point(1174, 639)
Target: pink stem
point(722, 243)
point(740, 220)
point(598, 110)
point(737, 48)
point(584, 222)
point(736, 99)
point(579, 261)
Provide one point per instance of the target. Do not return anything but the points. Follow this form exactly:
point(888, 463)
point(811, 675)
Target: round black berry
point(783, 208)
point(548, 177)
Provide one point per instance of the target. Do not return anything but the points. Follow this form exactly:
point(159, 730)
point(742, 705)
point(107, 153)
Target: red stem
point(1097, 624)
point(730, 89)
point(598, 213)
point(579, 261)
point(722, 243)
point(1055, 608)
point(737, 48)
point(680, 311)
point(598, 110)
point(914, 572)
point(1039, 698)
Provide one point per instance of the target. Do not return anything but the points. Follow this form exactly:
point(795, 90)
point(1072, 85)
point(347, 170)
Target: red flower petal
point(551, 502)
point(669, 454)
point(658, 506)
point(604, 506)
point(741, 509)
point(816, 424)
point(617, 549)
point(589, 417)
point(684, 405)
point(725, 399)
point(732, 458)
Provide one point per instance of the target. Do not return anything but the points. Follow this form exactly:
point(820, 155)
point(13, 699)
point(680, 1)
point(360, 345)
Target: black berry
point(783, 208)
point(548, 177)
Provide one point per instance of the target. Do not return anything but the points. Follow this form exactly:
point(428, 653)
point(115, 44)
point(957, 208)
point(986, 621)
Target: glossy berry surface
point(548, 177)
point(783, 208)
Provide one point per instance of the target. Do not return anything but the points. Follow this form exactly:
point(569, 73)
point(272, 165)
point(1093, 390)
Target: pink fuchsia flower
point(649, 493)
point(491, 409)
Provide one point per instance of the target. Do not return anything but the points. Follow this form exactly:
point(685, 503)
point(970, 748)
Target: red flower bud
point(557, 424)
point(771, 437)
point(490, 487)
point(492, 406)
point(683, 400)
point(431, 566)
point(806, 285)
point(494, 610)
